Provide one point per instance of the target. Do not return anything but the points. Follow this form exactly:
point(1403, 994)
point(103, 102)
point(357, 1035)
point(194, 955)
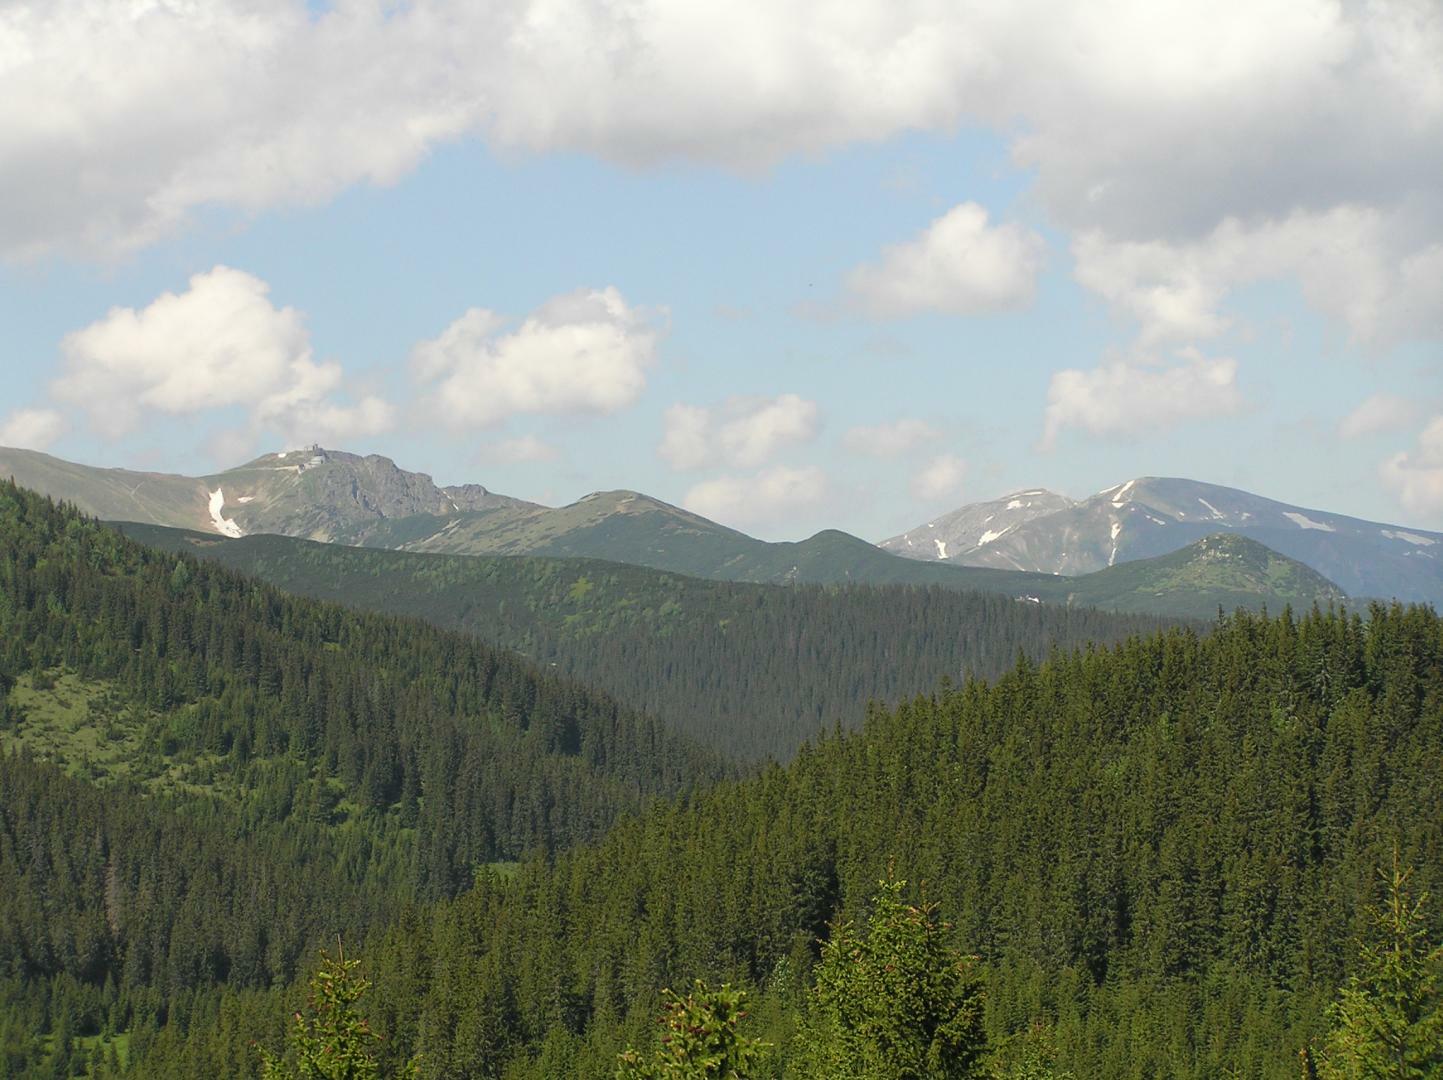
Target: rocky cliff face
point(333, 495)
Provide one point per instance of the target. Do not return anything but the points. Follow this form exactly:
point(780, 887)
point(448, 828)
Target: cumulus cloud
point(522, 450)
point(31, 429)
point(763, 498)
point(744, 432)
point(1188, 149)
point(960, 265)
point(220, 343)
point(1415, 477)
point(940, 478)
point(687, 436)
point(1357, 264)
point(1380, 413)
point(583, 352)
point(1138, 117)
point(1121, 398)
point(892, 439)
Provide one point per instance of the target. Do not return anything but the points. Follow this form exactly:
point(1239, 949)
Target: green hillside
point(124, 664)
point(749, 669)
point(1224, 571)
point(1160, 855)
point(110, 494)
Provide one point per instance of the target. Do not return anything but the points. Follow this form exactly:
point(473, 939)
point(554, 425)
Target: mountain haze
point(337, 497)
point(1153, 516)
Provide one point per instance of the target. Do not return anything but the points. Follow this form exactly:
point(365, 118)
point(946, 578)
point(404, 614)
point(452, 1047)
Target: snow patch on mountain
point(1213, 510)
point(223, 525)
point(1302, 521)
point(1409, 538)
point(941, 548)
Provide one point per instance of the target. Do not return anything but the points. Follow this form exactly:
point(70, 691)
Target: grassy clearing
point(88, 730)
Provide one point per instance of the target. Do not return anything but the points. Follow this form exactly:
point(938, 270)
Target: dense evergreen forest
point(274, 770)
point(1159, 855)
point(753, 670)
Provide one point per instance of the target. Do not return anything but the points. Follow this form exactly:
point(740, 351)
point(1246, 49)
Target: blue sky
point(849, 278)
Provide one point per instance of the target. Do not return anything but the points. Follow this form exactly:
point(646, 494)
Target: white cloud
point(1359, 265)
point(1120, 398)
point(524, 449)
point(892, 439)
point(757, 429)
point(765, 498)
point(743, 432)
point(960, 265)
point(583, 352)
point(1381, 413)
point(221, 343)
point(940, 478)
point(686, 440)
point(1142, 121)
point(31, 429)
point(1416, 477)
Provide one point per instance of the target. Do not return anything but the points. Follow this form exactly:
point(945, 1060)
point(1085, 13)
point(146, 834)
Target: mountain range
point(1034, 544)
point(1041, 531)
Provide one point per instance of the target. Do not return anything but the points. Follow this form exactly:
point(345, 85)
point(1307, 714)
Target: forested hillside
point(1161, 855)
point(274, 770)
point(753, 670)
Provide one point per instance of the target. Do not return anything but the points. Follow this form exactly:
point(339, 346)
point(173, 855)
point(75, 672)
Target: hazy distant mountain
point(315, 493)
point(1014, 545)
point(1223, 571)
point(956, 536)
point(330, 495)
point(1153, 516)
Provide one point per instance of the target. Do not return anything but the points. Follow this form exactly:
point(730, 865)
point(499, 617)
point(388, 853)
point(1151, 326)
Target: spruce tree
point(895, 1003)
point(1388, 1020)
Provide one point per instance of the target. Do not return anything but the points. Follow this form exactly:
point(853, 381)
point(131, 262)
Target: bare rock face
point(333, 495)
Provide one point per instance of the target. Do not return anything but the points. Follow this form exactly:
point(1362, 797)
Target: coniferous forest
point(752, 670)
point(1154, 858)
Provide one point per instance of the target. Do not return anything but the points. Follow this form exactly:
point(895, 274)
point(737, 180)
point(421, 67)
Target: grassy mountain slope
point(748, 669)
point(111, 494)
point(1225, 571)
point(368, 501)
point(625, 526)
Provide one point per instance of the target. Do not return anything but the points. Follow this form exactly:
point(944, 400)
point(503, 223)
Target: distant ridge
point(1153, 516)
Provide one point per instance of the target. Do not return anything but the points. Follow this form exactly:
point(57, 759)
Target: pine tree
point(1388, 1020)
point(333, 1042)
point(896, 1004)
point(702, 1040)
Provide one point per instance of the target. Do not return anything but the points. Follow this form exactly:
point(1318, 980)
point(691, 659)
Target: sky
point(791, 266)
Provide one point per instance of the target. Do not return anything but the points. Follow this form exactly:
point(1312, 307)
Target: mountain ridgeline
point(1161, 854)
point(337, 497)
point(1014, 546)
point(1044, 532)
